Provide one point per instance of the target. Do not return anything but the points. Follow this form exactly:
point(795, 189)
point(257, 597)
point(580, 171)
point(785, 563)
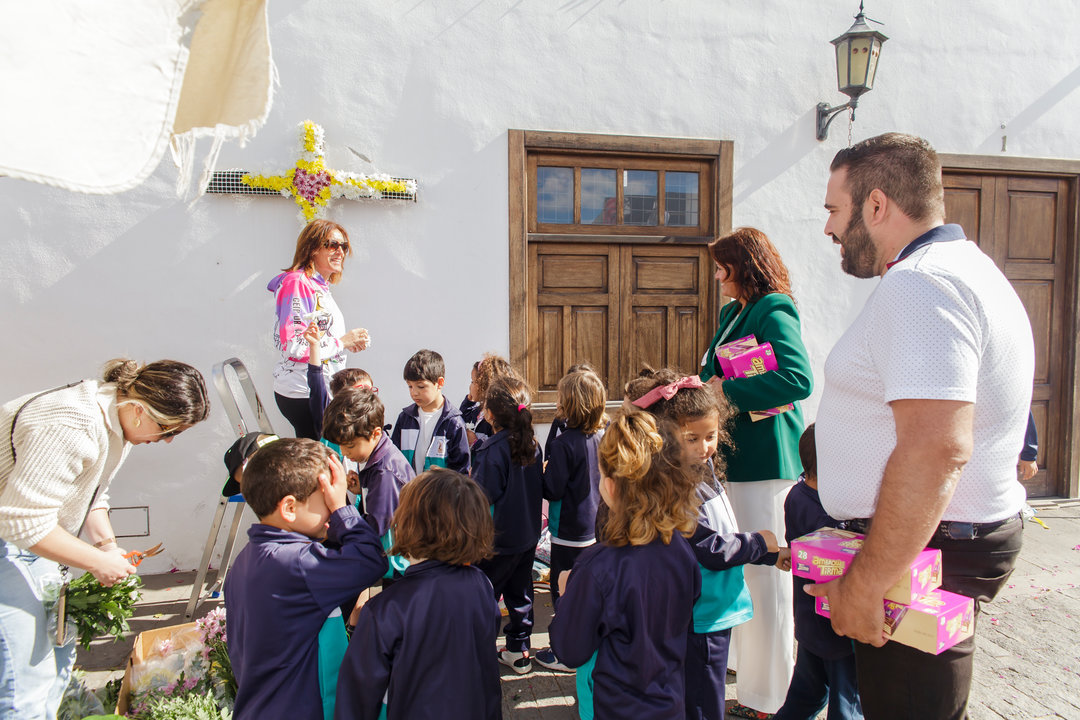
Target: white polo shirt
point(943, 324)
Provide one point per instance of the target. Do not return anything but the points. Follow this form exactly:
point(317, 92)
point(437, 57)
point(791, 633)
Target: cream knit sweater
point(69, 445)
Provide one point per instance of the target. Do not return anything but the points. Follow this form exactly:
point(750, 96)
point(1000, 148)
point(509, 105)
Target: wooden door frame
point(1071, 170)
point(520, 142)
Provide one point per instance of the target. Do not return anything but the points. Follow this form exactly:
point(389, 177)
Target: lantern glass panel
point(871, 69)
point(860, 59)
point(842, 64)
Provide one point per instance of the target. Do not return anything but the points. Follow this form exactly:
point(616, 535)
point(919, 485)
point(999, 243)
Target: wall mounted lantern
point(857, 52)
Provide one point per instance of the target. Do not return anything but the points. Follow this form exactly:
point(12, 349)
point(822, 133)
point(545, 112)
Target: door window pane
point(681, 199)
point(555, 195)
point(639, 197)
point(597, 196)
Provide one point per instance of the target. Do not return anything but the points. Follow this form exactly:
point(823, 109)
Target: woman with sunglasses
point(302, 294)
point(60, 450)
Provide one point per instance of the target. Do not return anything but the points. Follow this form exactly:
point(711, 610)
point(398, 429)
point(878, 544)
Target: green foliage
point(98, 610)
point(190, 706)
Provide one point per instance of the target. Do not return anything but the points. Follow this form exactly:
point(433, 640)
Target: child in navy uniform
point(490, 367)
point(701, 415)
point(423, 646)
point(558, 423)
point(572, 481)
point(825, 662)
point(354, 420)
point(284, 584)
point(430, 432)
point(319, 393)
point(509, 468)
point(626, 609)
point(472, 406)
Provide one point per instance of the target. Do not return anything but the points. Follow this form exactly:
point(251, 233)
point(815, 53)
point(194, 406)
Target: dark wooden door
point(1022, 222)
point(617, 307)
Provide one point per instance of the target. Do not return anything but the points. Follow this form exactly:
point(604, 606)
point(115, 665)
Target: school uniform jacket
point(280, 591)
point(449, 446)
point(803, 513)
point(558, 427)
point(470, 412)
point(425, 644)
point(515, 493)
point(626, 613)
point(572, 486)
point(381, 481)
point(767, 449)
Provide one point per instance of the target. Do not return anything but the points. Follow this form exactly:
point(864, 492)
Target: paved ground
point(1027, 663)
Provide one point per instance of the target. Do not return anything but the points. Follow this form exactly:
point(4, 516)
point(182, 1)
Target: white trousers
point(763, 650)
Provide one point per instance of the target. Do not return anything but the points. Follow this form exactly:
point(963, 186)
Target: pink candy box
point(753, 361)
point(826, 554)
point(725, 352)
point(932, 623)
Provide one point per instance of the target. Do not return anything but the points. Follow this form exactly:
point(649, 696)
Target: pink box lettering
point(756, 361)
point(725, 352)
point(826, 554)
point(932, 623)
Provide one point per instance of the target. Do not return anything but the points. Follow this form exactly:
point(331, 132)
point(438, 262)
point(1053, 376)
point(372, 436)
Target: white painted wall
point(428, 90)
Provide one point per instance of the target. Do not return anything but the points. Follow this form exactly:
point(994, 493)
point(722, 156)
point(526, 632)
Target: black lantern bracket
point(857, 53)
point(826, 114)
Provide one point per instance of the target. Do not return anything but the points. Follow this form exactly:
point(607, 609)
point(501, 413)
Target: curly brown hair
point(753, 262)
point(655, 490)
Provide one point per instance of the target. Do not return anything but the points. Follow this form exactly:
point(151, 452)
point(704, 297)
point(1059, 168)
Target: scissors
point(137, 556)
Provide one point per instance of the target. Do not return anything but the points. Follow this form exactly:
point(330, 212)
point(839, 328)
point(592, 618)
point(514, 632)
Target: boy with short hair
point(430, 432)
point(284, 585)
point(354, 420)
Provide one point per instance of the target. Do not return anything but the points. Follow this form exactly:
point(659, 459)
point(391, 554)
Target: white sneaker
point(519, 662)
point(548, 659)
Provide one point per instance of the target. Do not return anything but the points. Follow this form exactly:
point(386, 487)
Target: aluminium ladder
point(231, 387)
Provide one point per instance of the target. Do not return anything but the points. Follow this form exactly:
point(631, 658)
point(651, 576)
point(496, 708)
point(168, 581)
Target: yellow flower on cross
point(311, 185)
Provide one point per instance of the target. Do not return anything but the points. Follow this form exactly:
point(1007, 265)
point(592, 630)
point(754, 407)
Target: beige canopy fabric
point(93, 92)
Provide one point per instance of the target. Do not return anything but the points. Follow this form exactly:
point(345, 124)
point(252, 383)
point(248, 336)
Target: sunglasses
point(173, 432)
point(336, 245)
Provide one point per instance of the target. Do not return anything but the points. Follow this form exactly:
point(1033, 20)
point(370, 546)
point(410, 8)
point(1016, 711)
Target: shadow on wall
point(1032, 112)
point(784, 151)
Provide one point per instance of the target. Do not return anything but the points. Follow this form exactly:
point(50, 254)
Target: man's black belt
point(946, 529)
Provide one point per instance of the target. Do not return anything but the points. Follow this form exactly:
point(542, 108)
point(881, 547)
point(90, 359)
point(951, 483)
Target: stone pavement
point(1027, 663)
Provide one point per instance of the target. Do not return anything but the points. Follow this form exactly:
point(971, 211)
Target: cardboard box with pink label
point(917, 613)
point(745, 358)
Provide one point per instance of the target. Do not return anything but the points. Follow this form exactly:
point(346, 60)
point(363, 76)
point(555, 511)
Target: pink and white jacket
point(299, 300)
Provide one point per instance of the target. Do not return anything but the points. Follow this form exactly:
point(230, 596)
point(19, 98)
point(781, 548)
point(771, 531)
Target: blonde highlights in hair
point(654, 487)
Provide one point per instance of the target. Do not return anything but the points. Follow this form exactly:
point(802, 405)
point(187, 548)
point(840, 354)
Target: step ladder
point(233, 383)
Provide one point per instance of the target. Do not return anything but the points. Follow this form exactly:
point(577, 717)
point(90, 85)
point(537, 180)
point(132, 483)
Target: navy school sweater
point(427, 645)
point(626, 613)
point(381, 480)
point(449, 446)
point(514, 491)
point(558, 427)
point(572, 487)
point(803, 513)
point(283, 579)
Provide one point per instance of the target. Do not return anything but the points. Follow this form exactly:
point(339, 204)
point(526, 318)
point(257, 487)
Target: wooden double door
point(617, 307)
point(1025, 222)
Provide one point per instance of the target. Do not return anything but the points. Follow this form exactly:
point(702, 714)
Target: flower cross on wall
point(310, 183)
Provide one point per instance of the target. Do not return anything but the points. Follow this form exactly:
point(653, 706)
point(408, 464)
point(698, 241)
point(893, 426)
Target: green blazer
point(767, 449)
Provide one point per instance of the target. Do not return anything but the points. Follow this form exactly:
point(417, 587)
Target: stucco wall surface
point(428, 90)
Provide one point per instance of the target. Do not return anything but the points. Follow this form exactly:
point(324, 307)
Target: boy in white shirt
point(431, 431)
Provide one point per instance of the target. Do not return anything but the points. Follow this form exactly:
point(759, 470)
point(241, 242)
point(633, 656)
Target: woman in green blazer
point(763, 462)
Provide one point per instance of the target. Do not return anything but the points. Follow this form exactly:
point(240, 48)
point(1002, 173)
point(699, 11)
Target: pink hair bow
point(667, 391)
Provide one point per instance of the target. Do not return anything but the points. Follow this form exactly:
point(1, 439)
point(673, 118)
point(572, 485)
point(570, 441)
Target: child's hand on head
point(783, 562)
point(333, 484)
point(770, 540)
